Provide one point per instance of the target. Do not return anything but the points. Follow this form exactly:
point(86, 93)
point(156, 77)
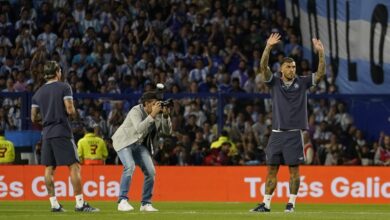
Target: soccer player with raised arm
point(289, 118)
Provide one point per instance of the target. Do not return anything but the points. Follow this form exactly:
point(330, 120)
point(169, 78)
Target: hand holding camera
point(156, 109)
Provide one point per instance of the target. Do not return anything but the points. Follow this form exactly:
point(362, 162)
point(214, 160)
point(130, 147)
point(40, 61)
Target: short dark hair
point(287, 60)
point(224, 133)
point(236, 79)
point(149, 95)
point(50, 68)
point(90, 129)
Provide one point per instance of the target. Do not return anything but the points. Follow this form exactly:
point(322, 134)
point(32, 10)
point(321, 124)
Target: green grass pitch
point(39, 210)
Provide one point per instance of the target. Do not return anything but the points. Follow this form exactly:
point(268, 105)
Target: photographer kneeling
point(133, 142)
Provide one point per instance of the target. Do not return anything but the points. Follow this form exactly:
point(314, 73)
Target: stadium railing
point(374, 107)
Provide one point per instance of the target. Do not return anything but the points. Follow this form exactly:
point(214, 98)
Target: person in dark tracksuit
point(51, 105)
point(289, 118)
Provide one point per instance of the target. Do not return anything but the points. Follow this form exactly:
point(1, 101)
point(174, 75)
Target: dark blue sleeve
point(34, 102)
point(67, 93)
point(308, 81)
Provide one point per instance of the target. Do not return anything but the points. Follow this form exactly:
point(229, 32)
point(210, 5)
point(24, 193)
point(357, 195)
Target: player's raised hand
point(318, 46)
point(273, 39)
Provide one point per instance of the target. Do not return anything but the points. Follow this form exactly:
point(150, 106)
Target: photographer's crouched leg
point(144, 160)
point(126, 157)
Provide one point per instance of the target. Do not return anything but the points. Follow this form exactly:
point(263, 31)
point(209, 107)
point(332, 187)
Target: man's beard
point(289, 77)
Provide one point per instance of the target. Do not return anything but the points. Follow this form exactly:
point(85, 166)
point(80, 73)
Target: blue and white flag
point(356, 37)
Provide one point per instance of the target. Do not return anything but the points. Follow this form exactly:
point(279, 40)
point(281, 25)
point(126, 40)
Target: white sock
point(267, 201)
point(79, 200)
point(292, 199)
point(54, 202)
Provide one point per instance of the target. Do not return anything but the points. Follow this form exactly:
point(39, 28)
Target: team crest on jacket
point(296, 86)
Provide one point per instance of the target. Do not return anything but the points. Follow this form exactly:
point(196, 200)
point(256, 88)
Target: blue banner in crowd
point(356, 37)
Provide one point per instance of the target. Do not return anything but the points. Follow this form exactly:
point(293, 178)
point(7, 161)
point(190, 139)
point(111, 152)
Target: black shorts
point(285, 147)
point(59, 151)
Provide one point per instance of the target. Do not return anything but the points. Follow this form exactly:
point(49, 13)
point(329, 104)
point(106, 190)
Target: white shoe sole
point(122, 210)
point(143, 210)
point(126, 210)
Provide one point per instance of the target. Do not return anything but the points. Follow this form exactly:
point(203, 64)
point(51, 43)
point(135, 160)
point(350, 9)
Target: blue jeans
point(130, 156)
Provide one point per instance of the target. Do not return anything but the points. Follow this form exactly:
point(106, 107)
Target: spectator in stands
point(115, 117)
point(77, 125)
point(241, 73)
point(200, 140)
point(25, 20)
point(322, 134)
point(366, 156)
point(208, 134)
point(382, 154)
point(252, 155)
point(96, 120)
point(38, 152)
point(196, 110)
point(112, 157)
point(211, 159)
point(178, 155)
point(20, 83)
point(88, 21)
point(5, 123)
point(235, 86)
point(45, 15)
point(6, 25)
point(293, 49)
point(224, 137)
point(82, 60)
point(4, 40)
point(359, 139)
point(199, 73)
point(7, 66)
point(15, 115)
point(342, 117)
point(7, 150)
point(191, 126)
point(48, 37)
point(333, 152)
point(92, 149)
point(197, 154)
point(223, 156)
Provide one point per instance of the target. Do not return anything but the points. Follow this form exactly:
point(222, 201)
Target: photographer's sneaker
point(124, 206)
point(59, 209)
point(289, 207)
point(86, 208)
point(148, 208)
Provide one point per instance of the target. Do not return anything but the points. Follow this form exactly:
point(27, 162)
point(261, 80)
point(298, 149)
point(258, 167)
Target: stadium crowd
point(194, 46)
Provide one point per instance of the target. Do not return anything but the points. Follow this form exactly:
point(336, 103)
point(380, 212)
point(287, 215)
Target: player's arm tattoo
point(294, 184)
point(321, 67)
point(264, 69)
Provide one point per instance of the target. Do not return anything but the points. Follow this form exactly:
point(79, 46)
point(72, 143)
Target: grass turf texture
point(40, 210)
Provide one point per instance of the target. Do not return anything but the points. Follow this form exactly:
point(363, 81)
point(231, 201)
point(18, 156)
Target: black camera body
point(167, 103)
